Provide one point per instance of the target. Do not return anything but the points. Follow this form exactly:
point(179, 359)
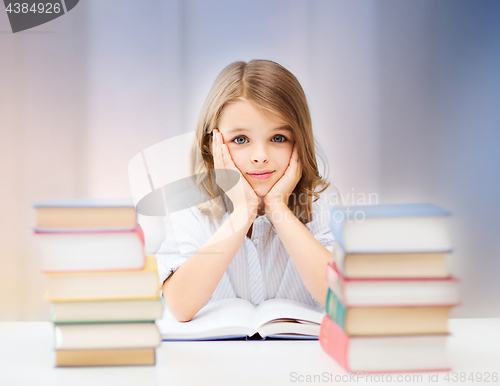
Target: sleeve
point(319, 227)
point(184, 235)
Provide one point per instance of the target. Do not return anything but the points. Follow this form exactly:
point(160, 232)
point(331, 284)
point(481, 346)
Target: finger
point(218, 164)
point(293, 165)
point(297, 158)
point(299, 172)
point(214, 155)
point(295, 162)
point(223, 158)
point(228, 161)
point(292, 155)
point(299, 169)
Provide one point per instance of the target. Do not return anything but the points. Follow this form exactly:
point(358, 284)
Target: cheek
point(284, 158)
point(237, 156)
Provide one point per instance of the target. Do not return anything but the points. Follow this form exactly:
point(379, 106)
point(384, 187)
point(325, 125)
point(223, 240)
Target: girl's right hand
point(241, 194)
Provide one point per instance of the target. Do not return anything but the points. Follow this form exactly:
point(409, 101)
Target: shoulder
point(192, 220)
point(328, 197)
point(193, 214)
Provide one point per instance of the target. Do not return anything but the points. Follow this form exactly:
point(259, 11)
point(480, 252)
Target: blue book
point(401, 228)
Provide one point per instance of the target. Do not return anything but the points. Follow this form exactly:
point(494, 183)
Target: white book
point(398, 353)
point(402, 228)
point(106, 336)
point(361, 292)
point(91, 251)
point(234, 318)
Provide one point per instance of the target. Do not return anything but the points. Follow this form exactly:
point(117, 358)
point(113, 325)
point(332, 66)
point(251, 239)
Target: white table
point(27, 358)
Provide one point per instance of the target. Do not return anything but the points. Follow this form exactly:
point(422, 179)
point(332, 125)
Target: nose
point(260, 155)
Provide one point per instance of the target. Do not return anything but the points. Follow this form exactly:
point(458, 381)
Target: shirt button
point(256, 241)
point(255, 278)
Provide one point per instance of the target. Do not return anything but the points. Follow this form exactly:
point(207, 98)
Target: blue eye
point(279, 138)
point(240, 140)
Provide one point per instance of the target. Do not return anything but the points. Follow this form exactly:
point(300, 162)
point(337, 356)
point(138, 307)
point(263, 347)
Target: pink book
point(383, 354)
point(397, 292)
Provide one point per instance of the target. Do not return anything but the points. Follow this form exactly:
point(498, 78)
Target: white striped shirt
point(255, 274)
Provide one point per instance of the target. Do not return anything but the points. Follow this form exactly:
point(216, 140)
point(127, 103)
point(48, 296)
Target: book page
point(285, 309)
point(285, 328)
point(224, 318)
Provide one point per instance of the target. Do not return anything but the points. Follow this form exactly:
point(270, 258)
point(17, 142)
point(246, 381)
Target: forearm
point(188, 289)
point(306, 252)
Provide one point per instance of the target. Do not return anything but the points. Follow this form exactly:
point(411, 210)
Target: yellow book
point(111, 285)
point(123, 357)
point(386, 265)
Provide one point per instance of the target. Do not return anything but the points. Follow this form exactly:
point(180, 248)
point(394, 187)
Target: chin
point(261, 191)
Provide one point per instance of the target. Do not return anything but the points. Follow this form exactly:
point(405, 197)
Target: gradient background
point(404, 95)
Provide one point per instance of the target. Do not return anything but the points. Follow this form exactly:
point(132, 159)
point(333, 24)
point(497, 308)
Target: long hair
point(275, 90)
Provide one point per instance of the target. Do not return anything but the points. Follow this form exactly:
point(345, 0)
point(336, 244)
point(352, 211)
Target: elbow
point(179, 313)
point(183, 318)
point(178, 309)
point(179, 304)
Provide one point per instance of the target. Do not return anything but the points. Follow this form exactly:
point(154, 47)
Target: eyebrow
point(239, 129)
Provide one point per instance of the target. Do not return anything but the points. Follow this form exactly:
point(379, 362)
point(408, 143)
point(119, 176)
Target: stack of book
point(103, 289)
point(390, 293)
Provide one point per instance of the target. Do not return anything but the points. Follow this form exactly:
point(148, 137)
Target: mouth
point(264, 175)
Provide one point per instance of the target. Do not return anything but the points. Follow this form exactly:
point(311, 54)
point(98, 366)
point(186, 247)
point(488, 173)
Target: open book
point(236, 318)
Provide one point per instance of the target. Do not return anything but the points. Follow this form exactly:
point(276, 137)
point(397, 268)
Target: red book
point(392, 292)
point(384, 354)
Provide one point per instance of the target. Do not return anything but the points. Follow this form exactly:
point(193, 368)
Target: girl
point(274, 241)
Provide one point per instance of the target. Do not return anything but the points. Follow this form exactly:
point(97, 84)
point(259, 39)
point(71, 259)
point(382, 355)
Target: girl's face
point(260, 146)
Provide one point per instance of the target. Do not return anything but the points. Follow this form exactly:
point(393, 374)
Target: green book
point(335, 309)
point(383, 320)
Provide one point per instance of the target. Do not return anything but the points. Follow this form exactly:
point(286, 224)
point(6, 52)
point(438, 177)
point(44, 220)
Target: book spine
point(137, 229)
point(335, 309)
point(336, 280)
point(140, 233)
point(333, 280)
point(334, 341)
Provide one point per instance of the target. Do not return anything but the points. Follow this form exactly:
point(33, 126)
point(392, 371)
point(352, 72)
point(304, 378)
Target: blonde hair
point(276, 91)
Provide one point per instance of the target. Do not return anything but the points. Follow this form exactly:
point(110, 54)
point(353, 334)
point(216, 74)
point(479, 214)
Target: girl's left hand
point(280, 192)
